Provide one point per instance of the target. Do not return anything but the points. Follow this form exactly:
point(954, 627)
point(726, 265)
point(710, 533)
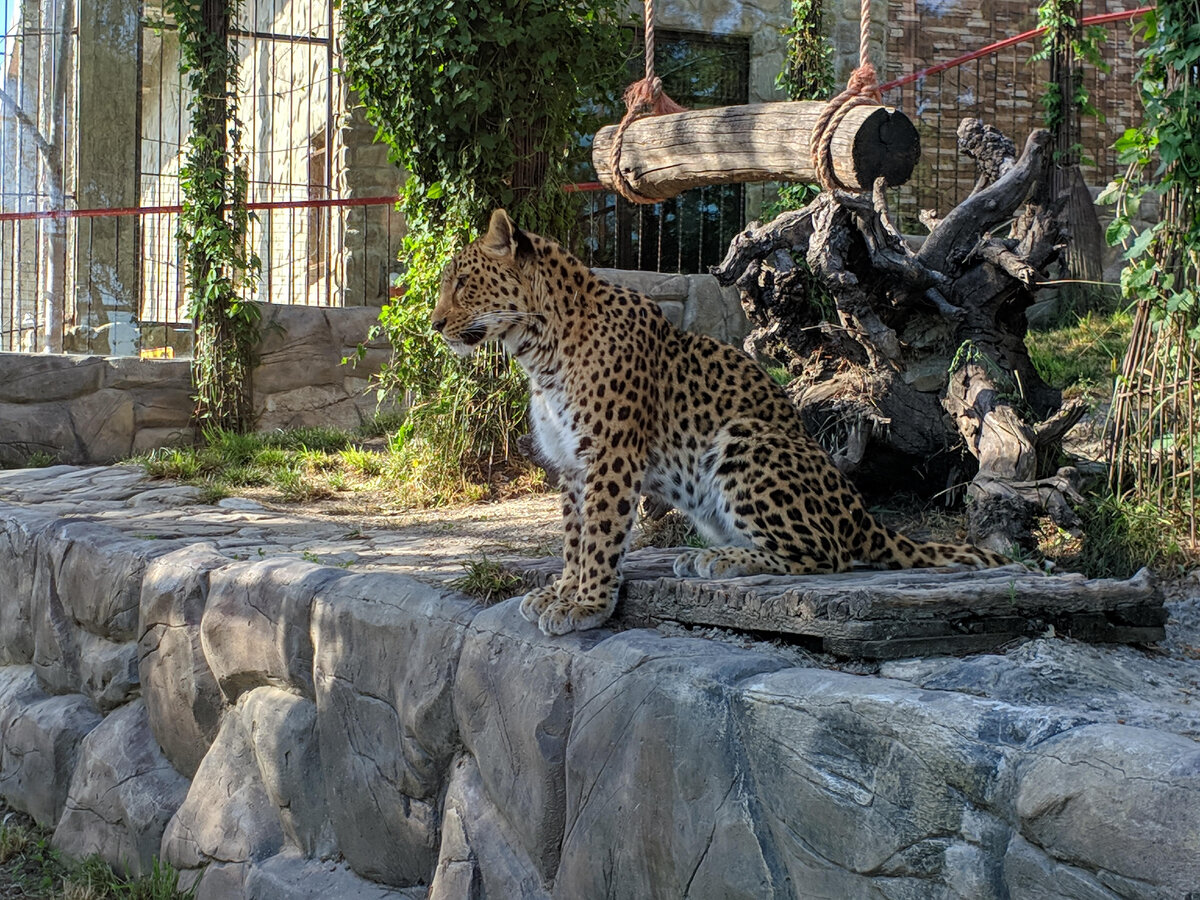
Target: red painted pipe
point(167, 210)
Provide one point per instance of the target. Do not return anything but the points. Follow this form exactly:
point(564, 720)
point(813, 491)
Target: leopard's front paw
point(538, 600)
point(535, 602)
point(715, 562)
point(566, 616)
point(687, 564)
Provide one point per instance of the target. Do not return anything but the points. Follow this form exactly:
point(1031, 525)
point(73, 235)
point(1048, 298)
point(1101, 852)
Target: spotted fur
point(625, 404)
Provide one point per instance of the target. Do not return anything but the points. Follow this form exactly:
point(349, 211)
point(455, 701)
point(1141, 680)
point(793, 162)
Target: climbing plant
point(214, 222)
point(807, 75)
point(1067, 46)
point(481, 103)
point(1156, 447)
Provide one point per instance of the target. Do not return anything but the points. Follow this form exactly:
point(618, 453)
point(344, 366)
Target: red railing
point(170, 210)
point(1101, 19)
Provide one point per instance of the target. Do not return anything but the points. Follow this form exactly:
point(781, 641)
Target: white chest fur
point(553, 428)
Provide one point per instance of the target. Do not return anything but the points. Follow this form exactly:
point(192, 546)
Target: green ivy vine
point(807, 75)
point(1163, 156)
point(483, 104)
point(214, 222)
point(1066, 46)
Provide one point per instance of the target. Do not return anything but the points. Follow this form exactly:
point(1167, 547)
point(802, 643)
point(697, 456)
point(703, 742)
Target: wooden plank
point(887, 614)
point(899, 648)
point(665, 155)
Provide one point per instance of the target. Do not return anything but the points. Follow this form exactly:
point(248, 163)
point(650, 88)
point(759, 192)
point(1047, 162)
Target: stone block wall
point(695, 303)
point(91, 409)
point(279, 729)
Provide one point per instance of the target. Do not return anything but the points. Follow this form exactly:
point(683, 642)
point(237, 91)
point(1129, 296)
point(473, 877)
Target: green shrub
point(481, 102)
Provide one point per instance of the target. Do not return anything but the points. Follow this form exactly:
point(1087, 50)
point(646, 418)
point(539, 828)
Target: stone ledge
point(94, 409)
point(380, 712)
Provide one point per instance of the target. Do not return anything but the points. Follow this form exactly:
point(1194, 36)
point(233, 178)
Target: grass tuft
point(362, 462)
point(322, 440)
point(1119, 538)
point(311, 464)
point(487, 580)
point(30, 868)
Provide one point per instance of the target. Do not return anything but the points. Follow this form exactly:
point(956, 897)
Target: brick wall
point(1002, 89)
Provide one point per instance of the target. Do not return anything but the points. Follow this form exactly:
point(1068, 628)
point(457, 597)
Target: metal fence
point(89, 191)
point(77, 277)
point(994, 81)
point(688, 233)
point(38, 98)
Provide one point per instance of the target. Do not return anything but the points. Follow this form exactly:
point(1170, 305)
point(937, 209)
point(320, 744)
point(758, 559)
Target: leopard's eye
point(459, 282)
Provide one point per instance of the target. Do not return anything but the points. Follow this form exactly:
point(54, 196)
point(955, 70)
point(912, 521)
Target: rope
point(642, 98)
point(861, 90)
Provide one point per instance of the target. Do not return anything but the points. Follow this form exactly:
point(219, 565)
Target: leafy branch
point(1156, 438)
point(482, 103)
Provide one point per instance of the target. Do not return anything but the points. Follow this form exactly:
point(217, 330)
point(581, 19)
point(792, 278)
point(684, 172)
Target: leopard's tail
point(889, 549)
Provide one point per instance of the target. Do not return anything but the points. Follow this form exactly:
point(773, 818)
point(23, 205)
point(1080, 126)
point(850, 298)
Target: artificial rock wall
point(93, 409)
point(280, 729)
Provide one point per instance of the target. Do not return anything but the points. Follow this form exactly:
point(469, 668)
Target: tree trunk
point(910, 365)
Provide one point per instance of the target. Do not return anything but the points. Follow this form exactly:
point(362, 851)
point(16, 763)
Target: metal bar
point(176, 208)
point(253, 34)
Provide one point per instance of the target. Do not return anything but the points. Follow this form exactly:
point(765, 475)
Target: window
point(690, 232)
point(317, 242)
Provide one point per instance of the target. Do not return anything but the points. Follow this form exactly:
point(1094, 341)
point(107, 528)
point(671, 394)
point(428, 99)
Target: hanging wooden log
point(664, 155)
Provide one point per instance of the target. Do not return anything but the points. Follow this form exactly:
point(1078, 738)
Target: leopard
point(625, 404)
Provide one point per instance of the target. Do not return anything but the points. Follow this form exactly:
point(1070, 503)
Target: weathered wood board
point(664, 155)
point(886, 615)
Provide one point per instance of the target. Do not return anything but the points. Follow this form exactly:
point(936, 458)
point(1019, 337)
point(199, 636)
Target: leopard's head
point(485, 294)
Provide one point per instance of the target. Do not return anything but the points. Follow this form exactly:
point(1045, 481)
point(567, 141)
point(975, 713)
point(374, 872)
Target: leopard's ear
point(504, 238)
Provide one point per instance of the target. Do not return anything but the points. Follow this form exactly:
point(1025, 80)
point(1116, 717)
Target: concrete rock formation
point(273, 728)
point(89, 409)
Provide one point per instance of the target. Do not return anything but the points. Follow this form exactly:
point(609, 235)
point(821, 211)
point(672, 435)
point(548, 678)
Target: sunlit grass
point(312, 464)
point(30, 867)
point(1082, 358)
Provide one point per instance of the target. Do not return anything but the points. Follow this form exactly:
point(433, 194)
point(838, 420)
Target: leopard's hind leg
point(730, 562)
point(786, 508)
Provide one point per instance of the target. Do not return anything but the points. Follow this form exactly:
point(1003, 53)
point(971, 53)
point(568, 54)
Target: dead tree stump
point(910, 364)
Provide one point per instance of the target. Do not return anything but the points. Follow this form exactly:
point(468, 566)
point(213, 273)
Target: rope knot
point(642, 98)
point(864, 82)
point(646, 98)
